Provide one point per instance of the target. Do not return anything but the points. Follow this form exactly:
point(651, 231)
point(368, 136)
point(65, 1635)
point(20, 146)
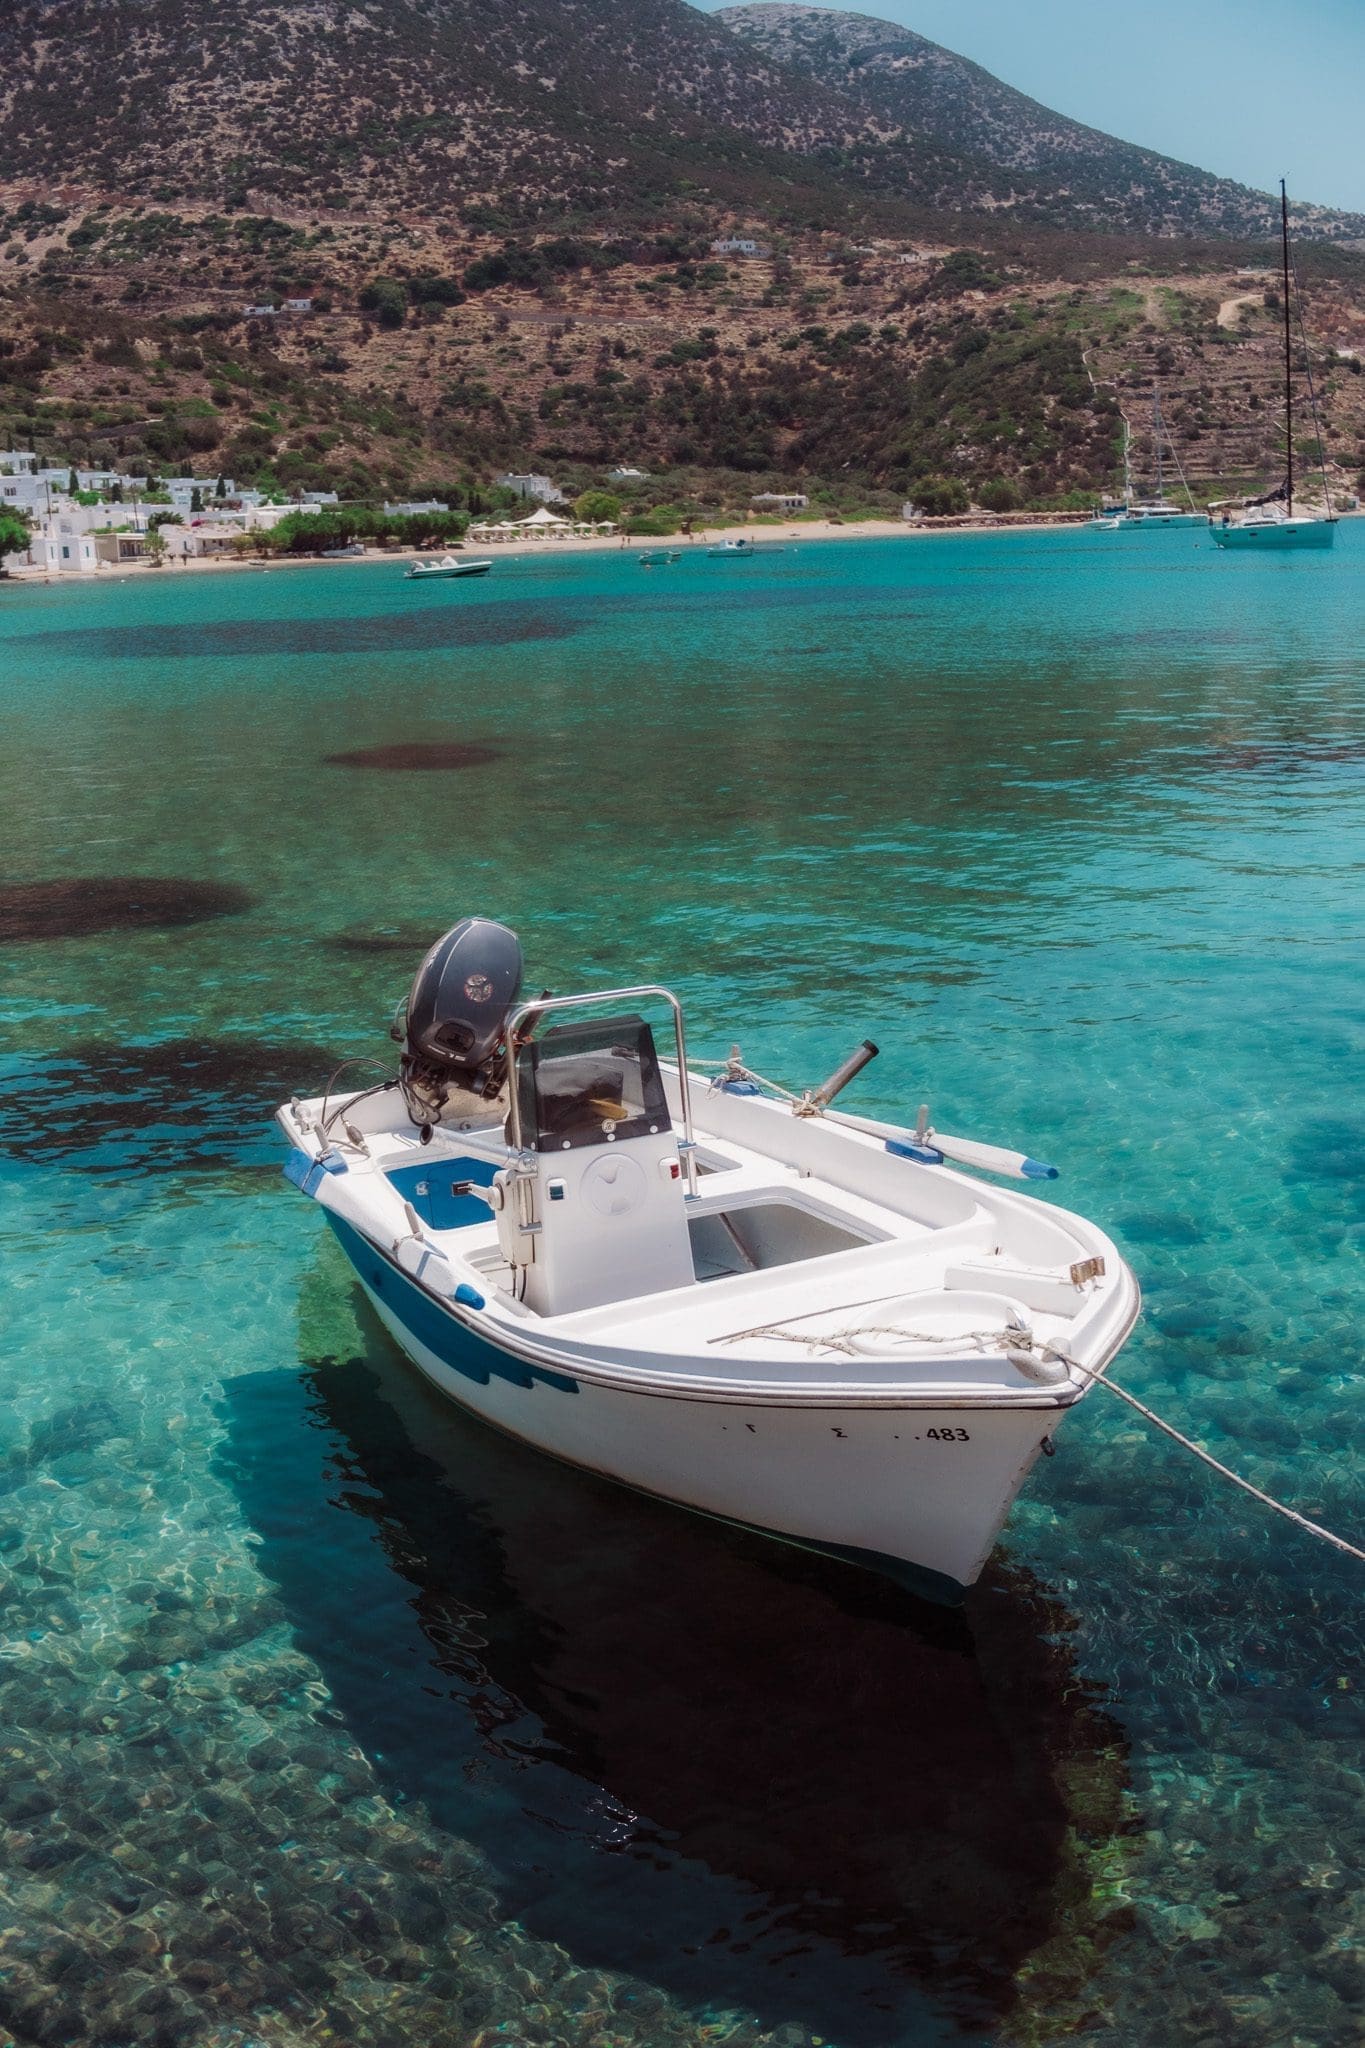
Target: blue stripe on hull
point(435, 1327)
point(478, 1361)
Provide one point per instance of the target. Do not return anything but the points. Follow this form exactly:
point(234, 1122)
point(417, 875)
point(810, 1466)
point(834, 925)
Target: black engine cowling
point(457, 1010)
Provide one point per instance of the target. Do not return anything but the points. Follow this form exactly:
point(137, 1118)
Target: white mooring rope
point(1206, 1457)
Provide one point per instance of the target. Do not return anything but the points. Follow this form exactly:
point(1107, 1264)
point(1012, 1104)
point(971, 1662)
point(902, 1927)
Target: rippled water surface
point(330, 1717)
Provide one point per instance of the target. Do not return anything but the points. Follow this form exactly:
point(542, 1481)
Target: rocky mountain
point(390, 248)
point(546, 110)
point(527, 105)
point(1018, 154)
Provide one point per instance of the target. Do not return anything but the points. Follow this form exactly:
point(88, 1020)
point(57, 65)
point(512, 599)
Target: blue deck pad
point(429, 1186)
point(437, 1328)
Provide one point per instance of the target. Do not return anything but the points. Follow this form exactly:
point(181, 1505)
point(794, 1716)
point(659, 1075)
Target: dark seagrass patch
point(418, 756)
point(78, 905)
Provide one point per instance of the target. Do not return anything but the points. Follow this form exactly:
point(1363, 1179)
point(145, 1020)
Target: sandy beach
point(763, 535)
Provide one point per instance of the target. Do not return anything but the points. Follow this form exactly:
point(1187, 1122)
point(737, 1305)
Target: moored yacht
point(1273, 523)
point(730, 1296)
point(1161, 512)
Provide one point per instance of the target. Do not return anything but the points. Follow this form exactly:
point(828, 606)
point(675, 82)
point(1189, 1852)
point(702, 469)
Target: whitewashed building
point(531, 486)
point(24, 494)
point(207, 537)
point(122, 546)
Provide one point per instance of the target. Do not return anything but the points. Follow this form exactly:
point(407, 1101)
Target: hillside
point(554, 110)
point(1055, 169)
point(535, 106)
point(426, 361)
point(498, 227)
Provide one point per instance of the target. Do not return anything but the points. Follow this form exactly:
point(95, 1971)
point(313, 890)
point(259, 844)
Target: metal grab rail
point(688, 1148)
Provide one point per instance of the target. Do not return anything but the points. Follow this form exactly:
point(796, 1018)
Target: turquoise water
point(328, 1716)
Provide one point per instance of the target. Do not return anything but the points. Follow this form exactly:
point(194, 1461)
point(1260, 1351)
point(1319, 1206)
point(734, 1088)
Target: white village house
point(531, 486)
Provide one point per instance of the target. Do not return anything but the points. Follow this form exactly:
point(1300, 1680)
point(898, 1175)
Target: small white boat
point(659, 558)
point(804, 1322)
point(733, 547)
point(426, 568)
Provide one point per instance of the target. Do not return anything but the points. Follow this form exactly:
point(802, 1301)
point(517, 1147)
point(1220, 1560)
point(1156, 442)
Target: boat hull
point(1313, 533)
point(443, 574)
point(916, 1492)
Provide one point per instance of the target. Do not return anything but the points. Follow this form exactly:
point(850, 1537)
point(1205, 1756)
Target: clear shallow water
point(327, 1715)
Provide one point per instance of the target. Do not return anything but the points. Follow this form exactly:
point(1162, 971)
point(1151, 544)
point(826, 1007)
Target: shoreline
point(762, 536)
point(777, 535)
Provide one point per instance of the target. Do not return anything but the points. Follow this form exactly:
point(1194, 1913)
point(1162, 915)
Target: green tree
point(196, 501)
point(939, 497)
point(220, 488)
point(998, 494)
point(73, 484)
point(156, 547)
point(13, 531)
point(597, 505)
point(387, 299)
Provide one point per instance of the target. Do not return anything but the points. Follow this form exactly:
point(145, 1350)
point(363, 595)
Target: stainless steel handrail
point(688, 1148)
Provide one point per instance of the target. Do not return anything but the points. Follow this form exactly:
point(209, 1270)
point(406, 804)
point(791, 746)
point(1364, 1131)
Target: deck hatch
point(754, 1236)
point(430, 1187)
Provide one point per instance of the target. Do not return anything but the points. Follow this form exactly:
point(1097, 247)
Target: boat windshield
point(585, 1083)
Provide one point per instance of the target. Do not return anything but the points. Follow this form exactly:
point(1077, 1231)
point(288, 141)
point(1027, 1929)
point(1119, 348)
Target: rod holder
point(816, 1099)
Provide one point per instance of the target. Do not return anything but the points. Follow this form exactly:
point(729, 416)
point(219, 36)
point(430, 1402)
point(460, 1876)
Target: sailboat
point(1109, 516)
point(1158, 509)
point(1267, 525)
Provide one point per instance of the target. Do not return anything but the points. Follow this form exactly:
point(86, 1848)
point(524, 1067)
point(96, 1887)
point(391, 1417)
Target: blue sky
point(1255, 90)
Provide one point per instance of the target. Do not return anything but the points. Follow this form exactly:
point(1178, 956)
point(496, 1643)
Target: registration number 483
point(948, 1436)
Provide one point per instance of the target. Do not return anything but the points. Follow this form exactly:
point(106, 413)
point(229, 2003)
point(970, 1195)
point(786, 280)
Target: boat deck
point(798, 1279)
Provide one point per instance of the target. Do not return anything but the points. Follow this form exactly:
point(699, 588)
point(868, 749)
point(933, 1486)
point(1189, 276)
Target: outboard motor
point(452, 1026)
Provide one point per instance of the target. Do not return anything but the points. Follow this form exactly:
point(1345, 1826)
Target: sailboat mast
point(1156, 438)
point(1288, 380)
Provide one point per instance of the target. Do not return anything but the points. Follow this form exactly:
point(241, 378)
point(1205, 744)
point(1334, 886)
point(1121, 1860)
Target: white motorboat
point(424, 569)
point(742, 1301)
point(731, 548)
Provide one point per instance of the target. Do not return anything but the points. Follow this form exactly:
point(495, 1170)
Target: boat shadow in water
point(755, 1777)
